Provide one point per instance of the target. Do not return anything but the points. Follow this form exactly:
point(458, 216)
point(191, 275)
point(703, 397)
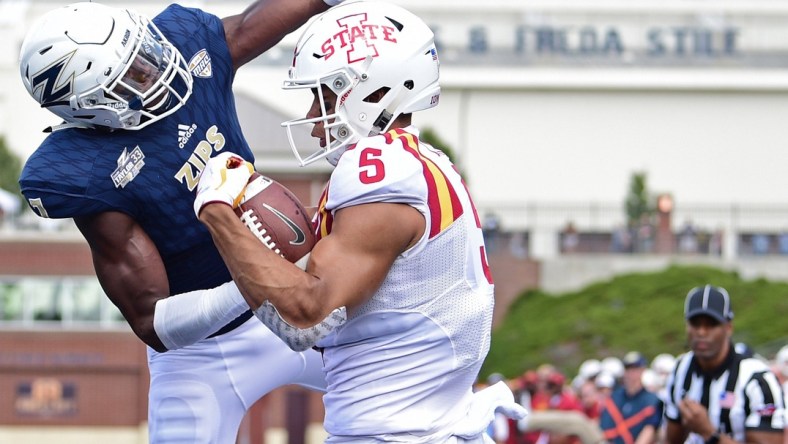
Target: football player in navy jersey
point(145, 104)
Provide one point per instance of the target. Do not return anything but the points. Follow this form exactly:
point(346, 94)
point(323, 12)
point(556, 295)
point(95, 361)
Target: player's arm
point(132, 274)
point(129, 269)
point(264, 23)
point(345, 268)
point(763, 436)
point(675, 433)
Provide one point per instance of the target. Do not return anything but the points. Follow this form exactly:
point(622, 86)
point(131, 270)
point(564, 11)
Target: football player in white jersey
point(397, 293)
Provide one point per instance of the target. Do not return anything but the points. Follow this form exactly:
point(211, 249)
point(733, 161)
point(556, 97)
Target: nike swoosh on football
point(300, 235)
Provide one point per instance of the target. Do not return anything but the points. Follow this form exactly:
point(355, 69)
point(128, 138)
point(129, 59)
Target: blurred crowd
point(575, 409)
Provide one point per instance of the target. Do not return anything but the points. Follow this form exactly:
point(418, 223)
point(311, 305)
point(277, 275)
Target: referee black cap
point(708, 300)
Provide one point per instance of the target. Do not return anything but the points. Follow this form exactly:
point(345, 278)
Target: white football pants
point(200, 393)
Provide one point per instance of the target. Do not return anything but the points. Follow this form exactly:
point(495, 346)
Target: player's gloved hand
point(223, 180)
point(497, 397)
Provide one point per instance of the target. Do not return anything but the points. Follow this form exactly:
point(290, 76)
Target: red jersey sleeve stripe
point(324, 219)
point(442, 199)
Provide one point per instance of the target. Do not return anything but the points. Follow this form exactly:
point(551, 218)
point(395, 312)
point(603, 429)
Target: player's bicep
point(128, 266)
point(365, 240)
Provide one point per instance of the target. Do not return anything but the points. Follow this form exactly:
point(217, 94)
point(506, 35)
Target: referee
point(714, 395)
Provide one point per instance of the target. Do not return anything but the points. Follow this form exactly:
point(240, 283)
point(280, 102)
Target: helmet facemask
point(152, 83)
point(338, 134)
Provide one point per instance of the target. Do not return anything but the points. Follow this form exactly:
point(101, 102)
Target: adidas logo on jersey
point(185, 133)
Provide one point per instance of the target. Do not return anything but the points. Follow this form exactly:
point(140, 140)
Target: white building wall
point(560, 126)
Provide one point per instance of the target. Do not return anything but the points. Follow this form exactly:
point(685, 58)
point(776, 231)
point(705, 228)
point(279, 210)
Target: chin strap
point(387, 115)
point(64, 125)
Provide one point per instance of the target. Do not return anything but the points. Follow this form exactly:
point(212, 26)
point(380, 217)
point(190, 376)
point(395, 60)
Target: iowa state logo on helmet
point(357, 37)
point(49, 85)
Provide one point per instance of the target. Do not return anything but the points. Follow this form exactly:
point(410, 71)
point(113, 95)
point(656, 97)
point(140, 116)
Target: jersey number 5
point(372, 168)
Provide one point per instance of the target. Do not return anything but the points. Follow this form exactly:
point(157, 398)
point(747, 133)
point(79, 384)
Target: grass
point(639, 311)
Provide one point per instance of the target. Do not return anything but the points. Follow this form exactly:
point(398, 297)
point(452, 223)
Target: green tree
point(10, 167)
point(638, 201)
point(430, 136)
point(641, 311)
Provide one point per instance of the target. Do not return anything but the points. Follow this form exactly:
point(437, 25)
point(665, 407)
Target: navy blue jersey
point(151, 174)
point(624, 417)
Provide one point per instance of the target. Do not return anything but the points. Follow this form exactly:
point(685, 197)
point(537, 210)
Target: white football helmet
point(97, 66)
point(357, 49)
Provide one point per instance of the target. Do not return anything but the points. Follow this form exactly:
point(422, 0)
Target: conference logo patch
point(200, 65)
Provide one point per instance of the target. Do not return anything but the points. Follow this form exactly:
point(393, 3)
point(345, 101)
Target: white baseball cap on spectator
point(663, 363)
point(589, 369)
point(651, 380)
point(782, 360)
point(605, 380)
point(613, 366)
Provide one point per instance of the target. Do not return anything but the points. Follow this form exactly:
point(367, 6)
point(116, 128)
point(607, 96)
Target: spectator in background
point(605, 383)
point(632, 414)
point(781, 370)
point(590, 399)
point(645, 235)
point(782, 242)
point(584, 385)
point(663, 364)
point(614, 367)
point(621, 240)
point(590, 368)
point(650, 381)
point(760, 243)
point(781, 367)
point(554, 395)
point(744, 349)
point(715, 242)
point(715, 395)
point(518, 244)
point(528, 384)
point(557, 415)
point(688, 239)
point(551, 392)
point(570, 238)
point(491, 226)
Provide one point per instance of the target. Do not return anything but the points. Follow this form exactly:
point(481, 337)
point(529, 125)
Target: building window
point(69, 302)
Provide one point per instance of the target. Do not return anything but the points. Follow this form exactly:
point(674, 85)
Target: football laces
point(251, 221)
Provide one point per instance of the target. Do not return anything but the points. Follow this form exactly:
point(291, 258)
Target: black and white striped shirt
point(742, 394)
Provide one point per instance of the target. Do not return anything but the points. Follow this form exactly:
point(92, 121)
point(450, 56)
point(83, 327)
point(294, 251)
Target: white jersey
point(402, 367)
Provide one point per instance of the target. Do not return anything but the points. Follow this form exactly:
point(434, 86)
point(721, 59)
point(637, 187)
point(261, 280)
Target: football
point(277, 218)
